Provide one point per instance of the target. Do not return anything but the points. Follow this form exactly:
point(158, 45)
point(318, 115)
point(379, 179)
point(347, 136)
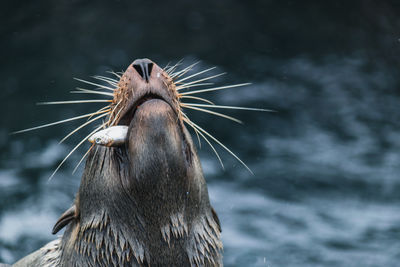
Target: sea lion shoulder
point(48, 255)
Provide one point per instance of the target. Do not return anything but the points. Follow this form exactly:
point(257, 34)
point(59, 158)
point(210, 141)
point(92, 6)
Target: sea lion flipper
point(64, 219)
point(215, 217)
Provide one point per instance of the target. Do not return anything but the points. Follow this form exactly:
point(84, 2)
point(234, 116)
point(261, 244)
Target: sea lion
point(144, 203)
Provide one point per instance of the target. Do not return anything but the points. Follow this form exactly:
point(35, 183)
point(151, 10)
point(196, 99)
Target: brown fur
point(145, 203)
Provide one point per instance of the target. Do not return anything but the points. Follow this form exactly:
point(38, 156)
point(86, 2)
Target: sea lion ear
point(65, 219)
point(216, 219)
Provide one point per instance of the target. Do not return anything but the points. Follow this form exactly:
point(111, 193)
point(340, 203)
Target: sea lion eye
point(98, 140)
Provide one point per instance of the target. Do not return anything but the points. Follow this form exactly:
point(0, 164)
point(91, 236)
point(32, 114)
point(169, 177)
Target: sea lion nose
point(143, 67)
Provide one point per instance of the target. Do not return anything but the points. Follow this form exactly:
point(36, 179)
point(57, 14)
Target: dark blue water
point(326, 164)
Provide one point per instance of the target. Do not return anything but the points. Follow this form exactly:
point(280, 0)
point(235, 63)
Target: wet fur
point(145, 214)
point(142, 204)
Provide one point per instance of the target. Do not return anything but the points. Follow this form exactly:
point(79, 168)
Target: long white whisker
point(116, 115)
point(83, 125)
point(110, 81)
point(114, 73)
point(87, 91)
point(95, 84)
point(183, 86)
point(195, 130)
point(107, 108)
point(221, 144)
point(205, 79)
point(72, 151)
point(227, 107)
point(83, 157)
point(74, 102)
point(215, 113)
point(55, 123)
point(105, 78)
point(193, 125)
point(197, 135)
point(180, 73)
point(215, 88)
point(184, 71)
point(167, 66)
point(195, 74)
point(172, 69)
point(198, 98)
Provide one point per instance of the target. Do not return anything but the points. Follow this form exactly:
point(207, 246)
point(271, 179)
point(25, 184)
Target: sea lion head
point(148, 103)
point(145, 201)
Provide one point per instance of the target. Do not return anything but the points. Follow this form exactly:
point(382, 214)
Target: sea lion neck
point(154, 184)
point(166, 211)
point(151, 170)
point(156, 147)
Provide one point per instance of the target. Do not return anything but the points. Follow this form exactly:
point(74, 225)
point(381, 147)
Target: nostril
point(143, 67)
point(140, 70)
point(149, 69)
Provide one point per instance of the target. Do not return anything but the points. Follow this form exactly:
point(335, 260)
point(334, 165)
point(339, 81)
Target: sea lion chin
point(155, 138)
point(153, 130)
point(145, 202)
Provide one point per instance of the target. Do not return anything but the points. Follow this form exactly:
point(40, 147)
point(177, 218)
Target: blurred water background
point(325, 189)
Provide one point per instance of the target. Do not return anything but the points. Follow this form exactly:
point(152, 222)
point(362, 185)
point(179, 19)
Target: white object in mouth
point(112, 136)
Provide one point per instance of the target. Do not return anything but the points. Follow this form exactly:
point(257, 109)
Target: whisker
point(195, 74)
point(73, 150)
point(183, 86)
point(184, 71)
point(198, 98)
point(95, 84)
point(195, 130)
point(215, 113)
point(215, 88)
point(221, 144)
point(116, 115)
point(168, 69)
point(55, 123)
point(83, 125)
point(74, 102)
point(197, 135)
point(87, 91)
point(227, 107)
point(167, 66)
point(206, 78)
point(83, 157)
point(110, 81)
point(105, 78)
point(180, 73)
point(114, 73)
point(107, 108)
point(193, 125)
point(172, 69)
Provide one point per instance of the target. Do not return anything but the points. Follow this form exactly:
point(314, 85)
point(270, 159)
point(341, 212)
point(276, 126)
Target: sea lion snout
point(143, 67)
point(143, 80)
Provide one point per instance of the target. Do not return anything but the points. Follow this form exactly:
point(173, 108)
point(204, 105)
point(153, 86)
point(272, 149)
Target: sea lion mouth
point(146, 87)
point(128, 115)
point(153, 103)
